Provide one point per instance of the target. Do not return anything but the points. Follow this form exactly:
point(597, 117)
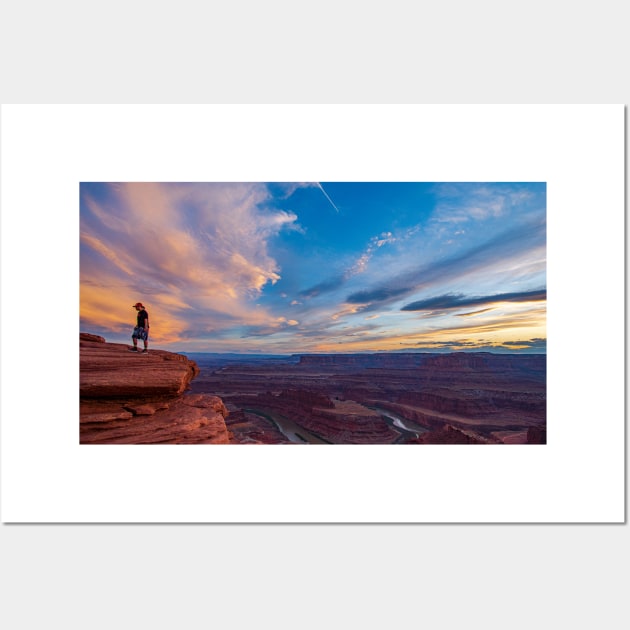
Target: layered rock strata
point(135, 398)
point(482, 397)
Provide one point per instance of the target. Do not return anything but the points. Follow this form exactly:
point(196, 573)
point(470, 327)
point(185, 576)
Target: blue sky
point(317, 267)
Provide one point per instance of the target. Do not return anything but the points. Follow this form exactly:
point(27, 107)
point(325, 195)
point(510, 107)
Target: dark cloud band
point(452, 301)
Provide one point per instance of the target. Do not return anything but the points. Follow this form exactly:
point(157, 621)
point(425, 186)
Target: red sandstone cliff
point(135, 398)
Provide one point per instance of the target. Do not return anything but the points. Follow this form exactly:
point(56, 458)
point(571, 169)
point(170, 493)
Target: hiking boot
point(133, 349)
point(145, 351)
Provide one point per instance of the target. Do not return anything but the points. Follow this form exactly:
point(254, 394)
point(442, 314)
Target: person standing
point(141, 330)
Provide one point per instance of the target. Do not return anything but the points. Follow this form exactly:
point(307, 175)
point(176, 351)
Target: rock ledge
point(136, 398)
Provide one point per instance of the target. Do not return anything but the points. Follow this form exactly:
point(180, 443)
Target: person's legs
point(138, 333)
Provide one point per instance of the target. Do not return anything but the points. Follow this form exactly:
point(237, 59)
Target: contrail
point(327, 197)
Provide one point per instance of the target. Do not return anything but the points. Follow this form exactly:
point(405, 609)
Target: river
point(291, 430)
point(406, 428)
point(298, 435)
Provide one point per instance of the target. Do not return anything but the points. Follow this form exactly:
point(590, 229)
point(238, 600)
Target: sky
point(289, 268)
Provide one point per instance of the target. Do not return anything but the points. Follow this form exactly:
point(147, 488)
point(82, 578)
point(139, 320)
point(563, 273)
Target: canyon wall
point(453, 362)
point(473, 398)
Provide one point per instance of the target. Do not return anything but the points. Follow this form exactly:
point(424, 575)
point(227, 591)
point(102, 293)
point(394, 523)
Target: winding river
point(298, 435)
point(292, 431)
point(406, 428)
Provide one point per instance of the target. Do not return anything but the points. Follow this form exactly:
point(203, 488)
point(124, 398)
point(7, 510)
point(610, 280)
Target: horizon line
point(393, 352)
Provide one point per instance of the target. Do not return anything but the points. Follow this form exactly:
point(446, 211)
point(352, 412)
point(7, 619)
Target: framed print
point(344, 300)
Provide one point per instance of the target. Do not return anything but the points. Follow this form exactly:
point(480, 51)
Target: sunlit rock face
point(135, 398)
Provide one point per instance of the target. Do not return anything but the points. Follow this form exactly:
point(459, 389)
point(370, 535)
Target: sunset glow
point(284, 268)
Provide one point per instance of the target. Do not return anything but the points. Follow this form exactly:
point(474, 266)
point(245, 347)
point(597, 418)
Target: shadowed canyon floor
point(385, 398)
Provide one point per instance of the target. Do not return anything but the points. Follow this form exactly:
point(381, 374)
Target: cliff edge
point(136, 398)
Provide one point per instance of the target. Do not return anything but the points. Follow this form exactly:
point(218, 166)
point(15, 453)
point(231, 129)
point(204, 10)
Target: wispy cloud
point(376, 242)
point(461, 203)
point(359, 266)
point(496, 251)
point(190, 251)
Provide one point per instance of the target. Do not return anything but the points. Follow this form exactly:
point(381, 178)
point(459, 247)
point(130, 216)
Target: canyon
point(381, 398)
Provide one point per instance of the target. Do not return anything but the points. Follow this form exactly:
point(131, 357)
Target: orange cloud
point(197, 254)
